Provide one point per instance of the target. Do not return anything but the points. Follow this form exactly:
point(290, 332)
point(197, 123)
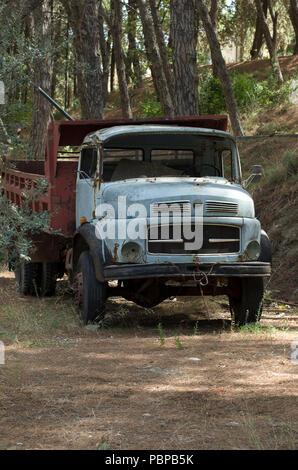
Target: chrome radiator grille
point(173, 208)
point(216, 239)
point(221, 206)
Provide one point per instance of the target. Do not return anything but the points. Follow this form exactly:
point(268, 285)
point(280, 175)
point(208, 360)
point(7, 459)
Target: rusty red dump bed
point(61, 171)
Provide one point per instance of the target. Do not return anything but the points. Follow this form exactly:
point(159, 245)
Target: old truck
point(144, 209)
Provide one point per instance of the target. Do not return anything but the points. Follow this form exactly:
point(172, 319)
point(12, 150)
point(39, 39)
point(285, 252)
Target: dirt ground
point(65, 386)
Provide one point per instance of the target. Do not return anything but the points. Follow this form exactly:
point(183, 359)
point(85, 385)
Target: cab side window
point(88, 163)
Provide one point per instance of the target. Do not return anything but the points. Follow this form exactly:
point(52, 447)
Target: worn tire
point(49, 272)
point(27, 277)
point(266, 253)
point(247, 308)
point(91, 294)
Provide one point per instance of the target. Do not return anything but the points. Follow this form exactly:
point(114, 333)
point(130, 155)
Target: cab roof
point(104, 135)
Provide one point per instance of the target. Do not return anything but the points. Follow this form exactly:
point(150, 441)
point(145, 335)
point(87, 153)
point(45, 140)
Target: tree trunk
point(162, 47)
point(155, 61)
point(112, 73)
point(132, 54)
point(105, 49)
point(56, 39)
point(221, 68)
point(259, 35)
point(213, 12)
point(28, 29)
point(116, 10)
point(293, 12)
point(84, 20)
point(271, 41)
point(42, 78)
point(184, 43)
point(66, 67)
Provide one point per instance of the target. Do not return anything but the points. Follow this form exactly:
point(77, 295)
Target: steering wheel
point(193, 167)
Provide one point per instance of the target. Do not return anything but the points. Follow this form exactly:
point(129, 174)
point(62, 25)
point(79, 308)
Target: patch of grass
point(196, 328)
point(268, 294)
point(119, 317)
point(178, 342)
point(257, 328)
point(10, 373)
point(250, 430)
point(280, 436)
point(35, 321)
point(38, 344)
point(103, 446)
point(7, 334)
point(161, 334)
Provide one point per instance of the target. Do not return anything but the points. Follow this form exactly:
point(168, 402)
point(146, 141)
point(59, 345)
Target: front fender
point(266, 252)
point(86, 239)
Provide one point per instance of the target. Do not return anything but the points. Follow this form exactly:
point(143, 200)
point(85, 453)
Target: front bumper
point(186, 270)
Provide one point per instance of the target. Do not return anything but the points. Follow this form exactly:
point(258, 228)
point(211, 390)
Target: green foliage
point(150, 107)
point(249, 92)
point(178, 342)
point(16, 223)
point(211, 98)
point(17, 114)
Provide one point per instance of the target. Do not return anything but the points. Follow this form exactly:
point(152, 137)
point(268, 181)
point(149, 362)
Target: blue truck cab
point(162, 210)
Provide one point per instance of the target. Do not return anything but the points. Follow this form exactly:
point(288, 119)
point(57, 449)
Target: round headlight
point(253, 250)
point(131, 251)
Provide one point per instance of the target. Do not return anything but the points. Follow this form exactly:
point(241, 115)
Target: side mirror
point(256, 174)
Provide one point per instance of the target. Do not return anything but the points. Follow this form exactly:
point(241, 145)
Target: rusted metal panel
point(73, 132)
point(63, 198)
point(49, 247)
point(15, 182)
point(59, 199)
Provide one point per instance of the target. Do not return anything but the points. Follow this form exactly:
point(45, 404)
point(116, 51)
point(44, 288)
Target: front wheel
point(90, 294)
point(246, 306)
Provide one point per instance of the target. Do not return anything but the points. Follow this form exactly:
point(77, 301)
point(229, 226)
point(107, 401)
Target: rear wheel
point(90, 294)
point(49, 272)
point(247, 306)
point(28, 278)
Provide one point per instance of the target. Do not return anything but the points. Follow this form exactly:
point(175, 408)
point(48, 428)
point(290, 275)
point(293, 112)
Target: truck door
point(86, 184)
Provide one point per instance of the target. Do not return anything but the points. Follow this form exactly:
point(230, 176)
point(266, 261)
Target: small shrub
point(290, 161)
point(150, 107)
point(211, 98)
point(287, 168)
point(16, 223)
point(249, 93)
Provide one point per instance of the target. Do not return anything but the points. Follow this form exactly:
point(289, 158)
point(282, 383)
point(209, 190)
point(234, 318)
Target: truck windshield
point(206, 156)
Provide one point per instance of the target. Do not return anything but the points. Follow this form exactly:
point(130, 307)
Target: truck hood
point(196, 190)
